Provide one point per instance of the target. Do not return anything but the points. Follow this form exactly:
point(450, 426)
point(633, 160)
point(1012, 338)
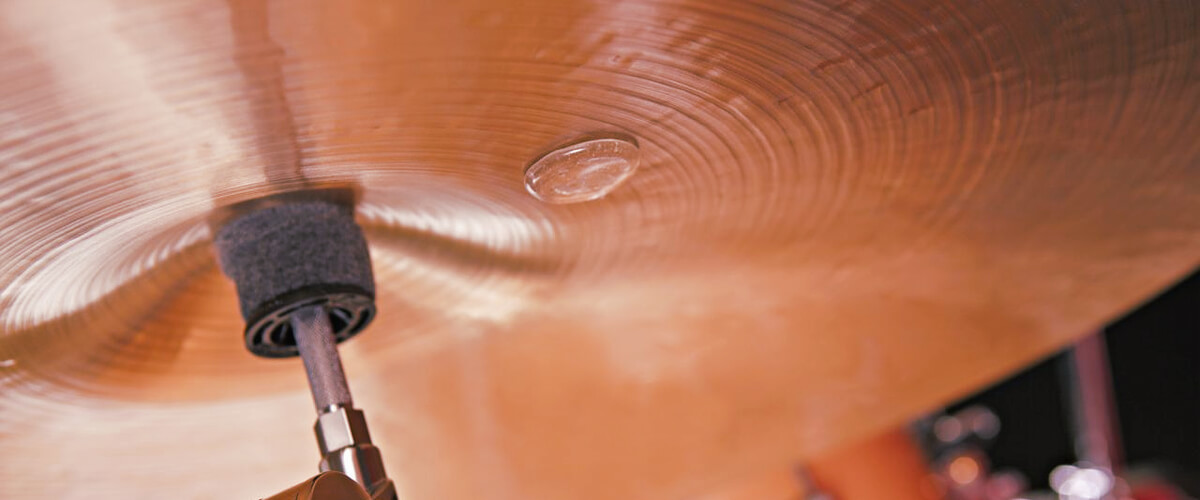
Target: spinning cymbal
point(842, 214)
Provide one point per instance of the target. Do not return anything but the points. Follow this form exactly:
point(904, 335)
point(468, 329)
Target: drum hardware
point(1087, 381)
point(304, 283)
point(956, 444)
point(957, 441)
point(328, 485)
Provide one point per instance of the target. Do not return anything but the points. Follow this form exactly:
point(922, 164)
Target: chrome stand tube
point(342, 434)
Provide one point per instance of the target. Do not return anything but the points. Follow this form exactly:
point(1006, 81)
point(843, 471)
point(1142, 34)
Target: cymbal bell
point(843, 214)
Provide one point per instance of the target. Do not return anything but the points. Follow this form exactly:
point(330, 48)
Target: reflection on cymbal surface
point(844, 214)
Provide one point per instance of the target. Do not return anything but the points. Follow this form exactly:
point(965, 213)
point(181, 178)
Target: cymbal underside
point(843, 214)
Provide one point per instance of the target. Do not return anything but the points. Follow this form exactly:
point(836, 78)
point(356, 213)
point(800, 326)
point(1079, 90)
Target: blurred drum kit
point(585, 250)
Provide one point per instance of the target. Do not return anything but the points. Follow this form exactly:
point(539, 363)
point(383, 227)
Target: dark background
point(1155, 356)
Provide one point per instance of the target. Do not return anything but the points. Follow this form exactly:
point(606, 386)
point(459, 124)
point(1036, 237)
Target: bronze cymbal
point(846, 213)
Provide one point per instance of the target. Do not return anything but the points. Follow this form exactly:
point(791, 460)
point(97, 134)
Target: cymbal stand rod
point(318, 350)
point(1093, 409)
point(1088, 380)
point(342, 434)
